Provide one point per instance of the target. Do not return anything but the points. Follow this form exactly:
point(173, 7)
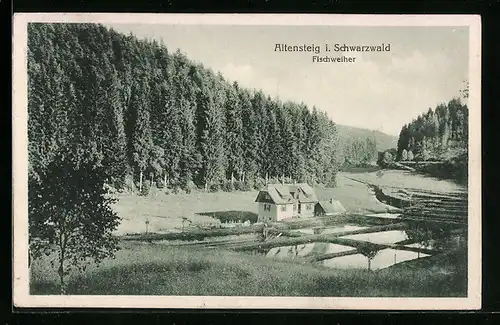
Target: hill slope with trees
point(440, 136)
point(150, 116)
point(383, 140)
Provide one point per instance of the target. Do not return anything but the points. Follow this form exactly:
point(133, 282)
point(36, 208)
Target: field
point(405, 179)
point(165, 212)
point(155, 268)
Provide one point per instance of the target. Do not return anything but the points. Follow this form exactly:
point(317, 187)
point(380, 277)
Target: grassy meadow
point(155, 269)
point(406, 179)
point(165, 213)
point(143, 268)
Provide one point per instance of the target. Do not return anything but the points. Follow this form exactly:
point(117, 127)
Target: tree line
point(358, 151)
point(147, 115)
point(435, 135)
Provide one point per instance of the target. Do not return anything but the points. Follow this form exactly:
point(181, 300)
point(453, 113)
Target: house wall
point(288, 213)
point(267, 216)
point(275, 212)
point(305, 212)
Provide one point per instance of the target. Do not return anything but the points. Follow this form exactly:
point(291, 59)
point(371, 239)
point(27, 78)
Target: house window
point(283, 208)
point(267, 207)
point(308, 206)
point(294, 207)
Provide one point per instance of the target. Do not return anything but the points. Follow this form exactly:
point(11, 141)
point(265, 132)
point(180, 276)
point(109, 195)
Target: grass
point(152, 269)
point(405, 179)
point(237, 216)
point(142, 268)
point(164, 213)
point(354, 196)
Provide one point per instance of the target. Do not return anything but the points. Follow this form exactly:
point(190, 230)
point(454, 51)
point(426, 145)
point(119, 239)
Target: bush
point(274, 180)
point(239, 185)
point(259, 183)
point(190, 187)
point(159, 184)
point(227, 186)
point(215, 187)
point(146, 188)
point(247, 186)
point(168, 191)
point(129, 185)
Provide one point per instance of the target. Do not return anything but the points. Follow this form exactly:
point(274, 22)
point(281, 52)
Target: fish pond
point(371, 250)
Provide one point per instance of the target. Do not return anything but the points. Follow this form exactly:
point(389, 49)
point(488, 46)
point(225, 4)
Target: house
point(284, 201)
point(329, 207)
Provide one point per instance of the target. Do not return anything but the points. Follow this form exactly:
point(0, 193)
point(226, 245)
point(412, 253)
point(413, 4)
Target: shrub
point(129, 183)
point(247, 186)
point(146, 188)
point(190, 186)
point(239, 185)
point(227, 186)
point(215, 187)
point(259, 183)
point(274, 180)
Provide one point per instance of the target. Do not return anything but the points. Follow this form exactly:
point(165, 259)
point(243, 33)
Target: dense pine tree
point(436, 134)
point(154, 116)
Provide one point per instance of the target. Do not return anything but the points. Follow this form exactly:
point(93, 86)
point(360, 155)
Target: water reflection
point(383, 237)
point(306, 250)
point(383, 259)
point(446, 243)
point(436, 237)
point(329, 230)
point(385, 215)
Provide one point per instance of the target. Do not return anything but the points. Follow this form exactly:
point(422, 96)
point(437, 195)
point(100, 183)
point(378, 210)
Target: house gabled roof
point(282, 194)
point(276, 193)
point(306, 193)
point(332, 208)
point(283, 191)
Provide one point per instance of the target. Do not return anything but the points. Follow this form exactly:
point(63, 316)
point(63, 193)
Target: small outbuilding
point(329, 207)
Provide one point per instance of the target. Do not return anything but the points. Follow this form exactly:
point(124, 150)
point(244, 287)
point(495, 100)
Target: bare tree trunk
point(60, 271)
point(165, 180)
point(140, 182)
point(369, 264)
point(232, 178)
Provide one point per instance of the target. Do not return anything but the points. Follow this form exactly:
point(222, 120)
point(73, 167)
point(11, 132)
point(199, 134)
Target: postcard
point(247, 161)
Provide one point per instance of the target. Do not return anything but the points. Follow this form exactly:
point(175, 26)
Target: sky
point(381, 91)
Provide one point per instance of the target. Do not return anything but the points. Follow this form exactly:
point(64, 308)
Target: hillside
point(146, 115)
point(384, 141)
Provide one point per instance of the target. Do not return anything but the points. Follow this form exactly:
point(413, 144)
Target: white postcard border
point(21, 295)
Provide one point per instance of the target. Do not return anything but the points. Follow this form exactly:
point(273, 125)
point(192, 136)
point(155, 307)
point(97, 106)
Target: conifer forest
point(143, 114)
